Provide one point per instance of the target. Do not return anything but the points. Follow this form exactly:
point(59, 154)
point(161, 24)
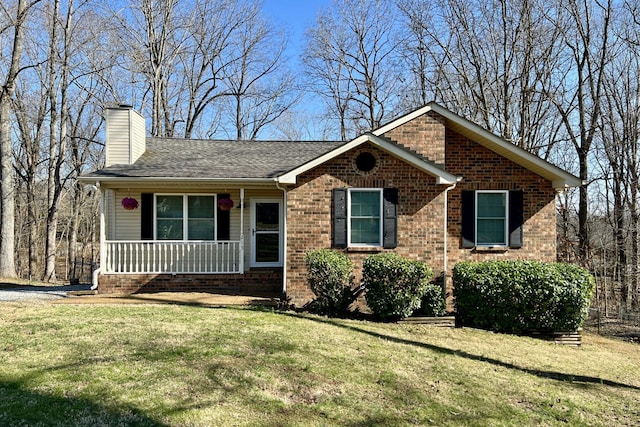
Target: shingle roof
point(217, 159)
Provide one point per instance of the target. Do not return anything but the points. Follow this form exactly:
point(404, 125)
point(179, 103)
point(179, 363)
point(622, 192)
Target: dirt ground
point(615, 328)
point(182, 298)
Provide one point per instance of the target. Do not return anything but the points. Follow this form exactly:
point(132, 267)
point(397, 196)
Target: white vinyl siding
point(127, 223)
point(110, 214)
point(125, 136)
point(138, 136)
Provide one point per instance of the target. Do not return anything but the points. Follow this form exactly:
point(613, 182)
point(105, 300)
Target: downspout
point(97, 271)
point(446, 224)
point(284, 238)
point(242, 243)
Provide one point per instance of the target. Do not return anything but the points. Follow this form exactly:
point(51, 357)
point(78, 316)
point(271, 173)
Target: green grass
point(158, 365)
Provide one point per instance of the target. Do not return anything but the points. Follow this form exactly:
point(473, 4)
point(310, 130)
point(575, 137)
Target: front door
point(266, 233)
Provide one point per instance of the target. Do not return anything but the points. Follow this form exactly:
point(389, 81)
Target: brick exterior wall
point(420, 204)
point(424, 134)
point(262, 282)
point(309, 220)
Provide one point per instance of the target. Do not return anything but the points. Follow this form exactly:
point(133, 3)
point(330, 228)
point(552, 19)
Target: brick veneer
point(263, 282)
point(421, 202)
point(425, 134)
point(309, 222)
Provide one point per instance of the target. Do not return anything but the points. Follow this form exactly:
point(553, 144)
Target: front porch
point(181, 240)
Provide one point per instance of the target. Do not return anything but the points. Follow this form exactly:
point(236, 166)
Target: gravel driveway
point(38, 293)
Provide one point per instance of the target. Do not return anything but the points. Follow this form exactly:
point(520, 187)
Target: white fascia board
point(402, 120)
point(441, 176)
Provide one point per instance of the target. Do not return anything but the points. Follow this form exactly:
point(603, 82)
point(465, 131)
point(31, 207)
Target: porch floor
point(179, 298)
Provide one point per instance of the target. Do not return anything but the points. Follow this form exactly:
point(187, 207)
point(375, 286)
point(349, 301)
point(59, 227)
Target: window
point(365, 217)
point(491, 218)
point(180, 215)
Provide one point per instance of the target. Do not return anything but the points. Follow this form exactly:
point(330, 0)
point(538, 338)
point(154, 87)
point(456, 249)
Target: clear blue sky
point(295, 16)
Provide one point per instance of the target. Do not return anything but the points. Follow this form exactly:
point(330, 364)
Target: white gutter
point(446, 224)
point(151, 179)
point(284, 238)
point(242, 243)
point(94, 278)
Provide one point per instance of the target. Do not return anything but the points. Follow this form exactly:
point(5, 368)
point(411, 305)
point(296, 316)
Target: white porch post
point(103, 227)
point(242, 231)
point(103, 248)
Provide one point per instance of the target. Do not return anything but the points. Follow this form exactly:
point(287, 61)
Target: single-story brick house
point(238, 216)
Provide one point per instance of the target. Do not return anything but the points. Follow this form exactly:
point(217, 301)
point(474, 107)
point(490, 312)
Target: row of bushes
point(521, 296)
point(395, 286)
point(505, 296)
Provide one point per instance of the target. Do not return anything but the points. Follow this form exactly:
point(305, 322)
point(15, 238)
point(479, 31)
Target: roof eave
point(153, 179)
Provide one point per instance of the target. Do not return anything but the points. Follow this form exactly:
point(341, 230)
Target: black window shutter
point(340, 217)
point(223, 220)
point(468, 219)
point(390, 218)
point(146, 216)
point(516, 218)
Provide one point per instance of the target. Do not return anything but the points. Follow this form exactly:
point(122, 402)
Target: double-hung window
point(492, 218)
point(364, 217)
point(185, 217)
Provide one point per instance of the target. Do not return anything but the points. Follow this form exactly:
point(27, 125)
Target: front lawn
point(165, 365)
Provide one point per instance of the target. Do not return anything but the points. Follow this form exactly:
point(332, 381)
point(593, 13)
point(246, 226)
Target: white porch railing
point(164, 256)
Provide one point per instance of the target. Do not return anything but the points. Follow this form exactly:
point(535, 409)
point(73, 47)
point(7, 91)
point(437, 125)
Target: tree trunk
point(7, 196)
point(7, 199)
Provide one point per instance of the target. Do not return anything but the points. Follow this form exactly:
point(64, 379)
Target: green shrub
point(520, 296)
point(394, 285)
point(433, 301)
point(330, 276)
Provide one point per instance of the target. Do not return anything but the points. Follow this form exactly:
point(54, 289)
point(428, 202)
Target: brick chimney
point(125, 135)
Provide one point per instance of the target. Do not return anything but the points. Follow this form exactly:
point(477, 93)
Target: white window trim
point(185, 216)
point(381, 216)
point(506, 219)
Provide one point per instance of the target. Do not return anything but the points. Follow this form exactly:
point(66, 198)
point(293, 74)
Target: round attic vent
point(365, 161)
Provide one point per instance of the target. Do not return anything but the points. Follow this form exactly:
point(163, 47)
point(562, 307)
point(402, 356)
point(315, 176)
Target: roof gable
point(397, 150)
point(559, 178)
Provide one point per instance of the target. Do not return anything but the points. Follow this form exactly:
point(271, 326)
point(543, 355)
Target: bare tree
point(16, 20)
point(326, 63)
point(488, 60)
point(352, 54)
point(579, 84)
point(208, 52)
point(30, 111)
point(150, 38)
point(620, 136)
point(260, 86)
